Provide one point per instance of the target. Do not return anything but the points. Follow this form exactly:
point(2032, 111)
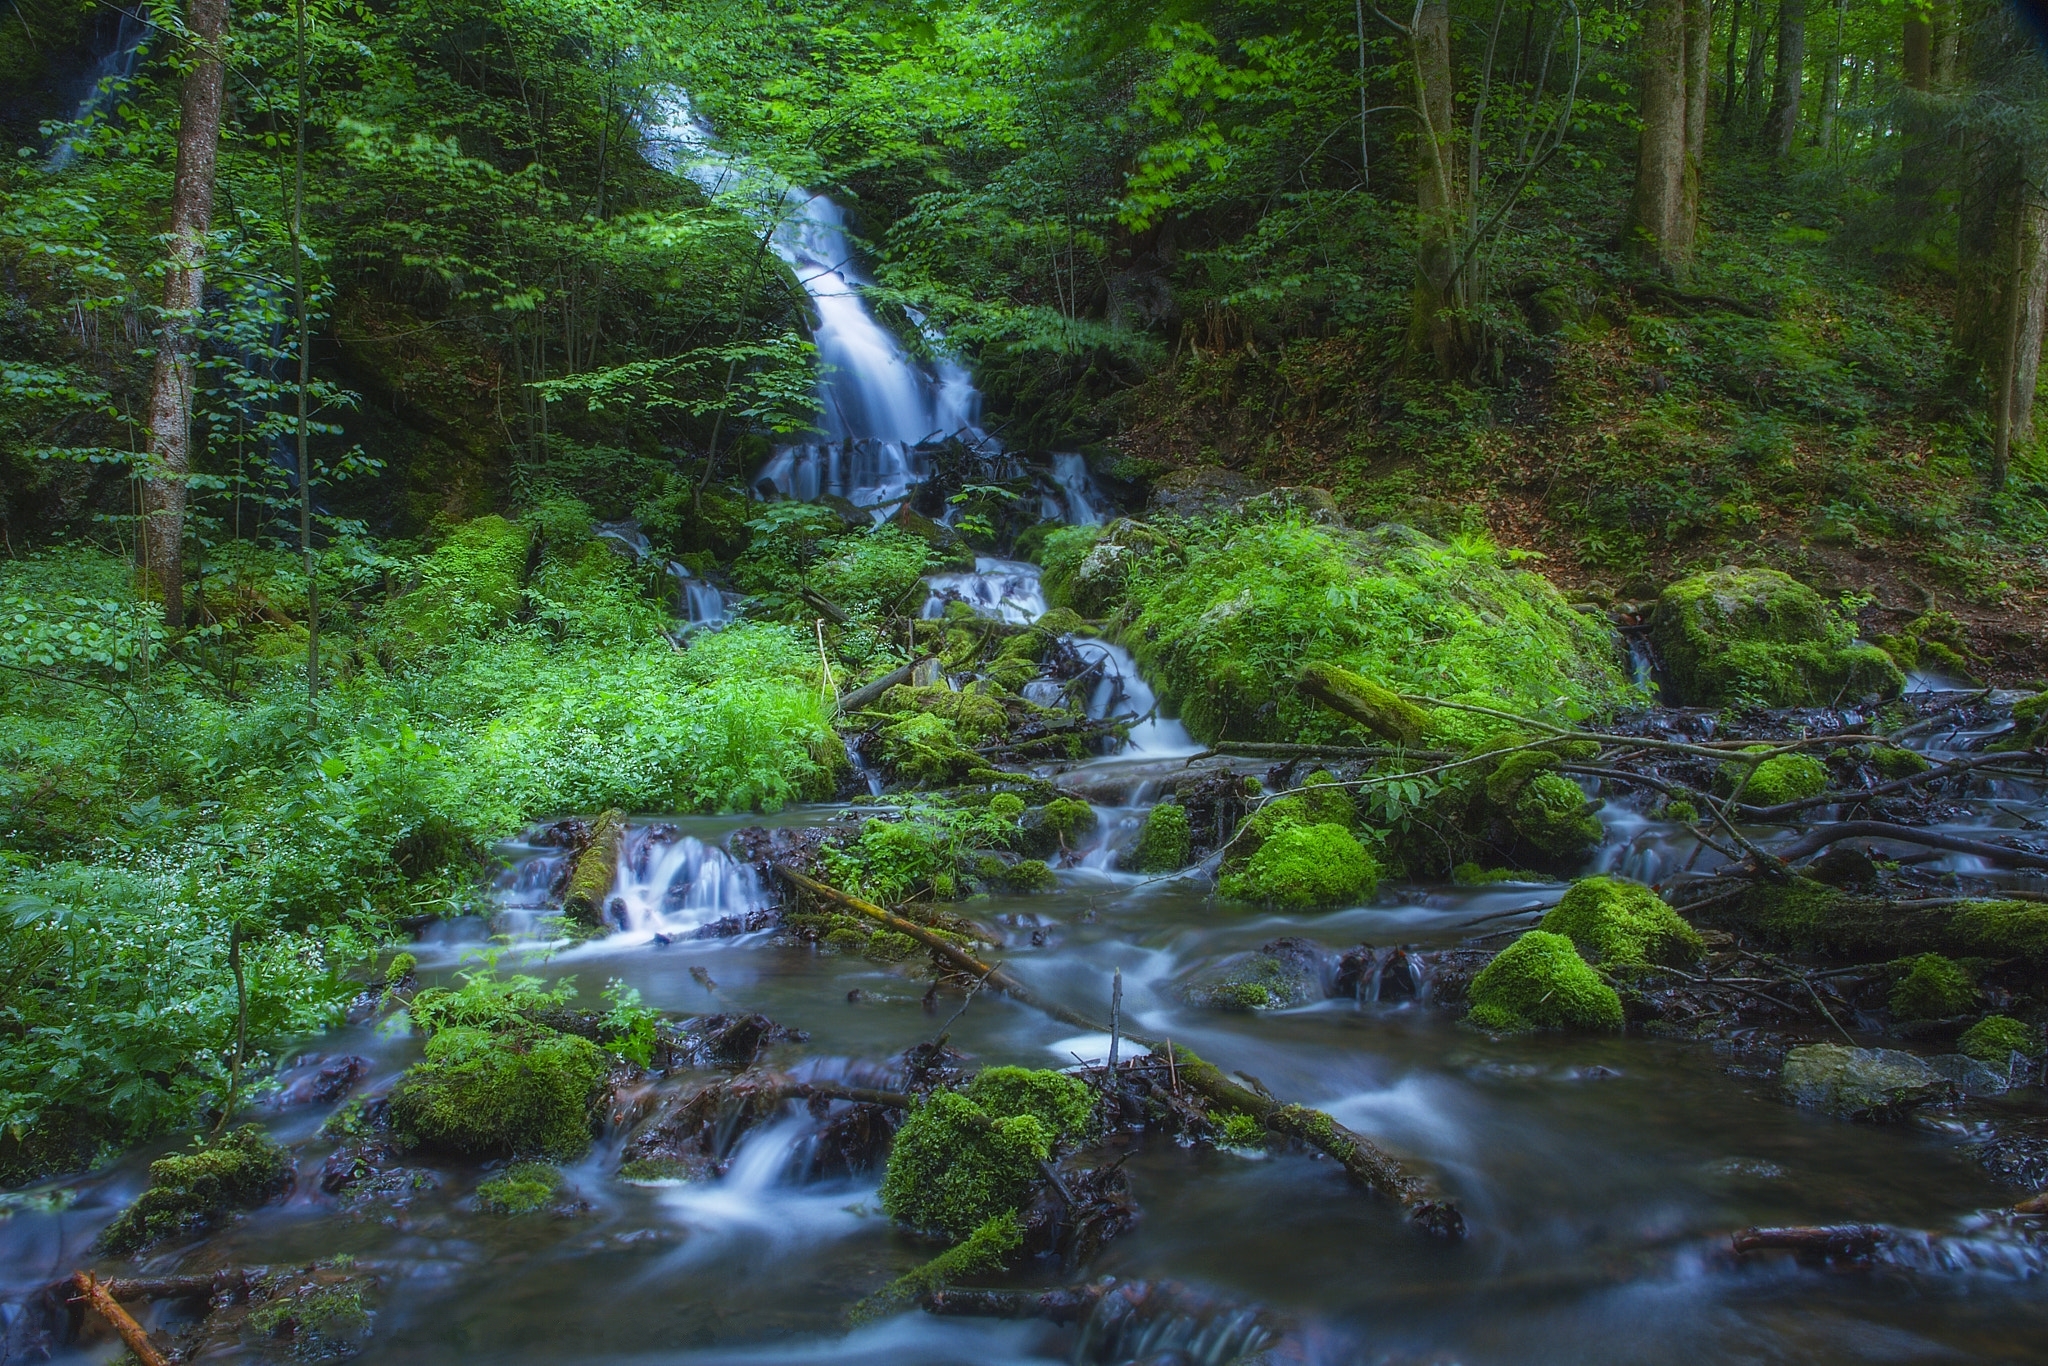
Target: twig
point(95, 1294)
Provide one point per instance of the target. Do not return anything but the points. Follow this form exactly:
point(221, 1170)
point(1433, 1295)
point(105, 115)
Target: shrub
point(1623, 924)
point(189, 1192)
point(1540, 982)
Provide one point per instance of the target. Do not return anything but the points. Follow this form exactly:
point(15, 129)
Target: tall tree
point(1664, 207)
point(1919, 172)
point(1783, 125)
point(171, 390)
point(1439, 329)
point(1831, 82)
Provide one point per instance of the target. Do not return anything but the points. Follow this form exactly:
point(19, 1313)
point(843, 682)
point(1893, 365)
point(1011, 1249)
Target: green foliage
point(515, 1092)
point(402, 966)
point(190, 1192)
point(986, 1250)
point(1224, 627)
point(487, 1001)
point(1540, 982)
point(1623, 924)
point(522, 1188)
point(1758, 635)
point(1930, 986)
point(468, 585)
point(1238, 1130)
point(1995, 1038)
point(1060, 1103)
point(629, 1026)
point(1305, 866)
point(1893, 762)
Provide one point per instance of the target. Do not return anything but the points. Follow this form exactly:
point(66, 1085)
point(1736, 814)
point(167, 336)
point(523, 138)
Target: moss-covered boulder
point(1164, 841)
point(1931, 986)
point(1774, 781)
point(1761, 636)
point(962, 1159)
point(1281, 974)
point(1547, 815)
point(1305, 866)
point(191, 1192)
point(1893, 762)
point(1995, 1038)
point(522, 1188)
point(1540, 982)
point(524, 1092)
point(1224, 623)
point(1621, 924)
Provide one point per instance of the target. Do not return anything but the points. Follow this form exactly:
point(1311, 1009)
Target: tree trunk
point(170, 407)
point(1728, 83)
point(1784, 120)
point(1913, 192)
point(1753, 66)
point(2002, 294)
point(1664, 208)
point(1440, 328)
point(1831, 83)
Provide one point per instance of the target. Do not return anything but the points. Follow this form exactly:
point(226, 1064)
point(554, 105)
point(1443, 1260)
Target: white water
point(1079, 499)
point(1122, 691)
point(676, 886)
point(697, 602)
point(1006, 590)
point(110, 75)
point(876, 403)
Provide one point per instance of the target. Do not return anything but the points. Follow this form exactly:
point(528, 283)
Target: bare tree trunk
point(1753, 65)
point(2002, 294)
point(1728, 82)
point(1831, 83)
point(1439, 330)
point(1699, 42)
point(1913, 192)
point(1664, 207)
point(170, 406)
point(1791, 82)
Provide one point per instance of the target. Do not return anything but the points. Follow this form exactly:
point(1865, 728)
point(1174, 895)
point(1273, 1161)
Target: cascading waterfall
point(113, 71)
point(675, 884)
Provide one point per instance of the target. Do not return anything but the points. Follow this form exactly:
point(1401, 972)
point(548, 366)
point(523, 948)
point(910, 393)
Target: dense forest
point(968, 521)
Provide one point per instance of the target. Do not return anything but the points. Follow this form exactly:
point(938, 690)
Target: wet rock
point(1758, 634)
point(2016, 1153)
point(1202, 492)
point(931, 1066)
point(329, 1082)
point(1878, 1085)
point(732, 1041)
point(1283, 973)
point(189, 1192)
point(1540, 982)
point(1841, 866)
point(1389, 973)
point(1215, 803)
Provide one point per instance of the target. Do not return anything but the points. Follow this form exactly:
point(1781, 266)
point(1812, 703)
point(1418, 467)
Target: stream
point(1600, 1176)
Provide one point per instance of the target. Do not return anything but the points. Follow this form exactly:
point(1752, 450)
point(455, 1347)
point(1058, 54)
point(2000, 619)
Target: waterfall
point(113, 71)
point(674, 884)
point(697, 602)
point(877, 405)
point(1121, 691)
point(1007, 590)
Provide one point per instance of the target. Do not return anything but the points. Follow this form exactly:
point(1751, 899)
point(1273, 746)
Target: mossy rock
point(1165, 843)
point(1061, 557)
point(1621, 924)
point(526, 1092)
point(191, 1192)
point(522, 1188)
point(973, 713)
point(1540, 982)
point(1892, 762)
point(1995, 1038)
point(1030, 875)
point(1812, 917)
point(1058, 825)
point(1304, 866)
point(1931, 986)
point(1759, 635)
point(1061, 1103)
point(1774, 781)
point(1282, 974)
point(1878, 1085)
point(961, 1160)
point(596, 866)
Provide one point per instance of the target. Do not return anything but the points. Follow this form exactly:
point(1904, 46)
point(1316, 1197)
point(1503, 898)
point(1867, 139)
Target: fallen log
point(96, 1294)
point(1067, 1304)
point(1247, 749)
point(1364, 1161)
point(1814, 1240)
point(1381, 711)
point(867, 694)
point(1816, 840)
point(597, 863)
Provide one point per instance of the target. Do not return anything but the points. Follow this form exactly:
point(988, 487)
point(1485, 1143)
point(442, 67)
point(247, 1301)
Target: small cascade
point(1080, 501)
point(1004, 590)
point(674, 884)
point(1642, 663)
point(1122, 692)
point(115, 68)
point(697, 602)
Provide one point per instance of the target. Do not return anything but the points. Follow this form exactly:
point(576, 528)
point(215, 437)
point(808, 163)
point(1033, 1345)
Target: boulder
point(1202, 492)
point(1282, 973)
point(1879, 1085)
point(1760, 636)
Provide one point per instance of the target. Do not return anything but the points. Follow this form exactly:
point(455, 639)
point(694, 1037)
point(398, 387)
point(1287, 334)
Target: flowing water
point(1600, 1176)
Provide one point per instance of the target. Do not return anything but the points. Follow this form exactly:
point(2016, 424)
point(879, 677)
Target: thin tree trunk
point(172, 387)
point(1831, 83)
point(1728, 85)
point(1657, 206)
point(2001, 293)
point(1791, 79)
point(1699, 41)
point(1913, 192)
point(1438, 331)
point(2020, 363)
point(305, 366)
point(1753, 73)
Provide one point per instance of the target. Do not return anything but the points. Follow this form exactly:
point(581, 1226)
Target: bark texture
point(1784, 121)
point(1664, 206)
point(1440, 333)
point(170, 407)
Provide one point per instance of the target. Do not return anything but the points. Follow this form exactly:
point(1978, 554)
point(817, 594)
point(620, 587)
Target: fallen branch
point(1245, 749)
point(95, 1293)
point(1954, 766)
point(1364, 1161)
point(869, 693)
point(1816, 840)
point(1814, 1240)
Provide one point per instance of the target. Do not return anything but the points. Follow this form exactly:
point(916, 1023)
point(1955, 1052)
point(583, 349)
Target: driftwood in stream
point(96, 1293)
point(1364, 1161)
point(1815, 1240)
point(1834, 833)
point(867, 694)
point(597, 863)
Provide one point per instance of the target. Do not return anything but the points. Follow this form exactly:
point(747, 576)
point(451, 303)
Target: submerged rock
point(1759, 635)
point(1282, 973)
point(191, 1192)
point(1879, 1085)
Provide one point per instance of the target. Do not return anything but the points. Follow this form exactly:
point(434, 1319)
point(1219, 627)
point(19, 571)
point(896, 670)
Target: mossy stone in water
point(1873, 1084)
point(522, 1188)
point(1931, 986)
point(1775, 781)
point(1164, 841)
point(1894, 762)
point(1995, 1038)
point(954, 1166)
point(1759, 635)
point(189, 1192)
point(1305, 866)
point(1540, 982)
point(1554, 817)
point(517, 1092)
point(1623, 924)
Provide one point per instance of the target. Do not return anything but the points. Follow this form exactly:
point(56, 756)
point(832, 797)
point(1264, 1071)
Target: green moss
point(469, 584)
point(1236, 1130)
point(973, 713)
point(1931, 987)
point(319, 1317)
point(1553, 816)
point(1472, 875)
point(1059, 1102)
point(1758, 635)
point(401, 967)
point(1061, 558)
point(653, 1171)
point(1224, 627)
point(1896, 763)
point(2005, 929)
point(1321, 801)
point(954, 1166)
point(983, 1252)
point(1775, 781)
point(522, 1188)
point(1304, 866)
point(1995, 1038)
point(1513, 773)
point(190, 1192)
point(1164, 841)
point(1357, 698)
point(1068, 818)
point(1623, 924)
point(1679, 810)
point(1006, 806)
point(1540, 982)
point(519, 1092)
point(596, 866)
